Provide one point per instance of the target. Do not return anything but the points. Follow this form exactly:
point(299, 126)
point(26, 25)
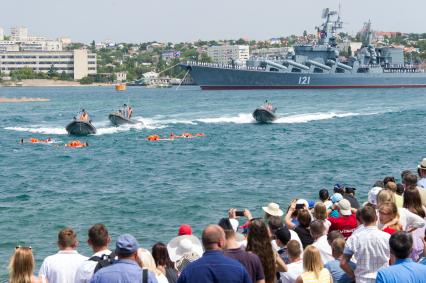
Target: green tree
point(349, 51)
point(86, 81)
point(52, 72)
point(93, 46)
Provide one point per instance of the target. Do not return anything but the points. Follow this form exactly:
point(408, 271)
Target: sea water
point(148, 189)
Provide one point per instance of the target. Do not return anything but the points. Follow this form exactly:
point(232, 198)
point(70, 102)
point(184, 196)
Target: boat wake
point(160, 122)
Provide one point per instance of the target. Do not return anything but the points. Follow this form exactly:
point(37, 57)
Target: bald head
point(213, 238)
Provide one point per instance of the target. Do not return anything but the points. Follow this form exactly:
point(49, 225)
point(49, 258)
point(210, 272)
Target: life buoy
point(153, 137)
point(200, 135)
point(34, 140)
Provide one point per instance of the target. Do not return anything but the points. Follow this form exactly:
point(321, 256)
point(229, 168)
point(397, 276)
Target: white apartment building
point(1, 33)
point(223, 54)
point(18, 34)
point(80, 63)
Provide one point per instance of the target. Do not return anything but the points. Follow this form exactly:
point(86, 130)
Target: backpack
point(103, 260)
point(106, 260)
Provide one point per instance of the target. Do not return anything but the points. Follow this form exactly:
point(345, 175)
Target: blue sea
point(148, 188)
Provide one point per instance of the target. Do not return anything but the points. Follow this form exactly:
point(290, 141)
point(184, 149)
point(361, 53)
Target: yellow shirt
point(310, 277)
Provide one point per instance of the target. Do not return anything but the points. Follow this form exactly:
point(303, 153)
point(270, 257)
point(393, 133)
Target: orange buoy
point(34, 140)
point(153, 138)
point(200, 135)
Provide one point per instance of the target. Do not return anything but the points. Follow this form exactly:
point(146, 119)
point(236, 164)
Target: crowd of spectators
point(334, 239)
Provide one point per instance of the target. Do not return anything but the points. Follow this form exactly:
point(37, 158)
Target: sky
point(189, 20)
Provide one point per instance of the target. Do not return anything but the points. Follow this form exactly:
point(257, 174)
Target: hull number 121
point(304, 80)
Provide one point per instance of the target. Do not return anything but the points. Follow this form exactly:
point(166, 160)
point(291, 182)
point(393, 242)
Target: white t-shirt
point(61, 267)
point(294, 270)
point(324, 248)
point(85, 271)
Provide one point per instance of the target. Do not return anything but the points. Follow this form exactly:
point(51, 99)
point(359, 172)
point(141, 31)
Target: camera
point(239, 213)
point(300, 206)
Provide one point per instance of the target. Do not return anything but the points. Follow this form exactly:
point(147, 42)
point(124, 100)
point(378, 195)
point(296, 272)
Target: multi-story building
point(271, 53)
point(225, 53)
point(80, 63)
point(19, 34)
point(1, 34)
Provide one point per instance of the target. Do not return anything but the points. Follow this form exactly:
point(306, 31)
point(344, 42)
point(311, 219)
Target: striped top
point(310, 277)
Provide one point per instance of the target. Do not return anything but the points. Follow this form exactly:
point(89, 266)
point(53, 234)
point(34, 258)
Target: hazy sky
point(189, 20)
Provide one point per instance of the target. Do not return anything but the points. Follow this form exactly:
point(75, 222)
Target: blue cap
point(336, 197)
point(311, 203)
point(339, 187)
point(126, 244)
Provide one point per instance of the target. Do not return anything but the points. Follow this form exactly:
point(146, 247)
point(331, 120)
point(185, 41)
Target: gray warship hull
point(223, 78)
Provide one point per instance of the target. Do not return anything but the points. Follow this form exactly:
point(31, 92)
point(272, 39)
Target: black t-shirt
point(249, 260)
point(304, 235)
point(171, 275)
point(354, 202)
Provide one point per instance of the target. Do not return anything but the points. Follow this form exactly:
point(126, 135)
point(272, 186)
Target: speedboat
point(264, 114)
point(80, 128)
point(118, 119)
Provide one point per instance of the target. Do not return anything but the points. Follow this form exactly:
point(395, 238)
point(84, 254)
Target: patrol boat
point(315, 66)
point(265, 113)
point(80, 128)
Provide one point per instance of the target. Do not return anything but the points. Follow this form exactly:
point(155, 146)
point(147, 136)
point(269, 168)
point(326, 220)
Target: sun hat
point(182, 245)
point(185, 229)
point(336, 197)
point(185, 260)
point(303, 201)
point(345, 207)
point(273, 209)
point(126, 244)
point(422, 164)
point(372, 195)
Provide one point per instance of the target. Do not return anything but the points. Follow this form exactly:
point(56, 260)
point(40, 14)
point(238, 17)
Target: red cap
point(185, 229)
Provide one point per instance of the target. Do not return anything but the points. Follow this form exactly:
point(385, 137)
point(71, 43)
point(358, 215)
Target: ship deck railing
point(225, 66)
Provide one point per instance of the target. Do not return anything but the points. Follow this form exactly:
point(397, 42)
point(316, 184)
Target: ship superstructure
point(315, 65)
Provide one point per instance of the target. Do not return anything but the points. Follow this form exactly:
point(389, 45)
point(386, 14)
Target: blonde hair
point(385, 196)
point(312, 261)
point(21, 265)
point(320, 211)
point(148, 261)
point(391, 208)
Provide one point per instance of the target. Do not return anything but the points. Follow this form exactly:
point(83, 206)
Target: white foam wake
point(39, 130)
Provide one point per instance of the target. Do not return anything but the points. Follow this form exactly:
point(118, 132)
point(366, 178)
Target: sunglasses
point(19, 247)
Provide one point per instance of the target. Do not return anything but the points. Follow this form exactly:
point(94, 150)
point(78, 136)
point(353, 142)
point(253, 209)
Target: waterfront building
point(1, 33)
point(225, 53)
point(271, 53)
point(79, 63)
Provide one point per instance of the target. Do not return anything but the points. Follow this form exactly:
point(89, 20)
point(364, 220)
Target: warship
point(315, 65)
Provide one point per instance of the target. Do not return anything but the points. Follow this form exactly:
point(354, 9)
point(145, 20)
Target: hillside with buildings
point(23, 56)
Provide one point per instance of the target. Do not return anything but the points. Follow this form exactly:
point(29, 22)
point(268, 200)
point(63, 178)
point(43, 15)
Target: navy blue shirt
point(121, 271)
point(215, 267)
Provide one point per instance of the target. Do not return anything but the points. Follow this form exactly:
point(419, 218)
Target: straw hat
point(182, 245)
point(422, 164)
point(273, 209)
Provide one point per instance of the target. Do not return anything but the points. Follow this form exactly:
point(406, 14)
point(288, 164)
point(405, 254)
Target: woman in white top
point(413, 202)
point(149, 263)
point(21, 267)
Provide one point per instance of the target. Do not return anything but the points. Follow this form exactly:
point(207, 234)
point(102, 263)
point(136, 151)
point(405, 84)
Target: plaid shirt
point(370, 246)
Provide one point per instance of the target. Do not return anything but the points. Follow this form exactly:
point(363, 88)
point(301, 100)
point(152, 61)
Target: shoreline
point(50, 83)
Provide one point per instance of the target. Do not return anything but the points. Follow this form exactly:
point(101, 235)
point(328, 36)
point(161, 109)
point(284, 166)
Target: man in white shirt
point(99, 240)
point(318, 233)
point(62, 266)
point(295, 267)
point(370, 246)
